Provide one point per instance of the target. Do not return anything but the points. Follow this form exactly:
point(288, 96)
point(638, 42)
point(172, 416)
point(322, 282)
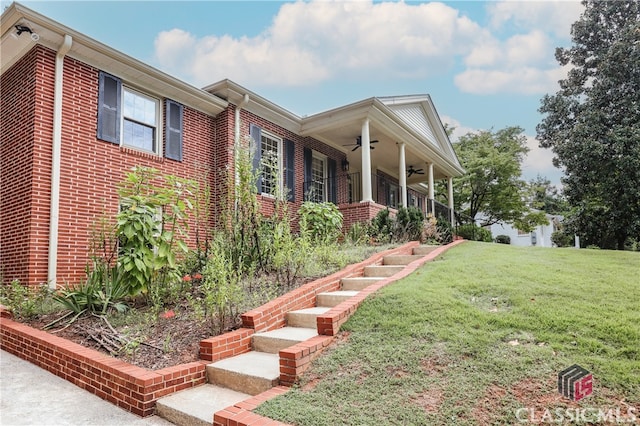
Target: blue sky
point(486, 65)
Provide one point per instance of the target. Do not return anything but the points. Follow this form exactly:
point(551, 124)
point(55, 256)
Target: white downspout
point(56, 153)
point(450, 197)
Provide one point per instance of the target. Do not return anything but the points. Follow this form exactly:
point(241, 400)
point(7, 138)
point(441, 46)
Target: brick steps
point(273, 357)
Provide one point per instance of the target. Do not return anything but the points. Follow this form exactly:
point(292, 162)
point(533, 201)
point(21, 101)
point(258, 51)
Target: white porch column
point(402, 173)
point(431, 190)
point(366, 163)
point(450, 198)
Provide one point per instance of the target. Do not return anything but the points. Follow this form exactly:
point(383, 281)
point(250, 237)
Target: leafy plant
point(151, 225)
point(322, 221)
point(358, 233)
point(382, 226)
point(104, 289)
point(561, 239)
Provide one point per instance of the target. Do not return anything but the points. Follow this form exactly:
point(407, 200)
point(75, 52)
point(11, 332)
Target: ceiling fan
point(358, 143)
point(412, 171)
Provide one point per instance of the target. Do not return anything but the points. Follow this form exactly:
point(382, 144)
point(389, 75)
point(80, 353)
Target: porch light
point(345, 165)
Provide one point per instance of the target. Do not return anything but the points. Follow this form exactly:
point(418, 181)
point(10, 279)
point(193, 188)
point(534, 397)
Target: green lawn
point(478, 334)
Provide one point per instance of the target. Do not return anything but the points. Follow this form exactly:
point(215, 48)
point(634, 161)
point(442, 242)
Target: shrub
point(22, 301)
point(430, 234)
point(104, 289)
point(409, 224)
point(472, 232)
point(445, 231)
point(382, 226)
point(358, 233)
point(503, 239)
point(560, 239)
point(322, 221)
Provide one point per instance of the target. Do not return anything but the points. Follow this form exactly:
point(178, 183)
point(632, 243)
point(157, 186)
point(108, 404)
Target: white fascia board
point(101, 56)
point(234, 94)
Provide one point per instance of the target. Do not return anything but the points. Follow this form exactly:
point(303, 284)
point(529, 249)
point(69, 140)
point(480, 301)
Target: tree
point(492, 184)
point(592, 123)
point(546, 197)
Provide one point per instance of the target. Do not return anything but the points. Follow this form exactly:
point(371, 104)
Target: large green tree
point(491, 191)
point(592, 123)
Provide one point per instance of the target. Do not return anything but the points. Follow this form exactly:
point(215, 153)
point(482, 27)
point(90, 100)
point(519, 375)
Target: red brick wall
point(90, 168)
point(26, 108)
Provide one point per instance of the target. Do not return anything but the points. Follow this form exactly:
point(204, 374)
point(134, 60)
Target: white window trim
point(159, 122)
point(279, 165)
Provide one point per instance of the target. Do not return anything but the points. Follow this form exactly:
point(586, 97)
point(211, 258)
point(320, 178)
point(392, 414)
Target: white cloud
point(553, 17)
point(523, 80)
point(458, 129)
point(539, 161)
point(309, 42)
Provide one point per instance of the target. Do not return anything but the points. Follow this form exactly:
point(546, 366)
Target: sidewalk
point(30, 395)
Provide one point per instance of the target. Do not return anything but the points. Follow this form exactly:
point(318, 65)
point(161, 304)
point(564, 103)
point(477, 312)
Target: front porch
point(345, 190)
point(395, 150)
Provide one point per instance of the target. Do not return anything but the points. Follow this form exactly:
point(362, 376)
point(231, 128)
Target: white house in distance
point(540, 236)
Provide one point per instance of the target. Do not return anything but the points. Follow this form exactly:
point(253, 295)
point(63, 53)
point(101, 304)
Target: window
point(270, 152)
point(127, 117)
point(318, 184)
point(139, 121)
point(268, 158)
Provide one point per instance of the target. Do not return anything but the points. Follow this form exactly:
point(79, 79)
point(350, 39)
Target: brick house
point(76, 115)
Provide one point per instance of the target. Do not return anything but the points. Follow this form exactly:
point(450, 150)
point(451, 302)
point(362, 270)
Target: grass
point(476, 335)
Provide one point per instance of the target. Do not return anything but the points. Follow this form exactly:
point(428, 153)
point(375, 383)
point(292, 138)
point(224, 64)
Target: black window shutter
point(173, 130)
point(256, 135)
point(290, 175)
point(308, 175)
point(332, 192)
point(109, 99)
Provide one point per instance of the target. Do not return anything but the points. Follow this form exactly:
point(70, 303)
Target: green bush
point(503, 239)
point(409, 224)
point(444, 231)
point(382, 226)
point(560, 239)
point(472, 232)
point(358, 233)
point(321, 221)
point(22, 301)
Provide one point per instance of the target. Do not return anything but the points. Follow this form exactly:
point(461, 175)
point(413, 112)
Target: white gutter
point(56, 152)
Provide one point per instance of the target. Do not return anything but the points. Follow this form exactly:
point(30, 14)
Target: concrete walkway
point(30, 395)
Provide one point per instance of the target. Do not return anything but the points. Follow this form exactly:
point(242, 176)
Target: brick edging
point(132, 388)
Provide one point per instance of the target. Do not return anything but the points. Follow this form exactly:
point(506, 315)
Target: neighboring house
point(541, 236)
point(77, 115)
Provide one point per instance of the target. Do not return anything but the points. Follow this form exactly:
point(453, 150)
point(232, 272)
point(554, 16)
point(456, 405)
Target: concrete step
point(424, 250)
point(358, 283)
point(305, 317)
point(272, 341)
point(196, 406)
point(400, 259)
point(334, 298)
point(252, 373)
point(382, 270)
